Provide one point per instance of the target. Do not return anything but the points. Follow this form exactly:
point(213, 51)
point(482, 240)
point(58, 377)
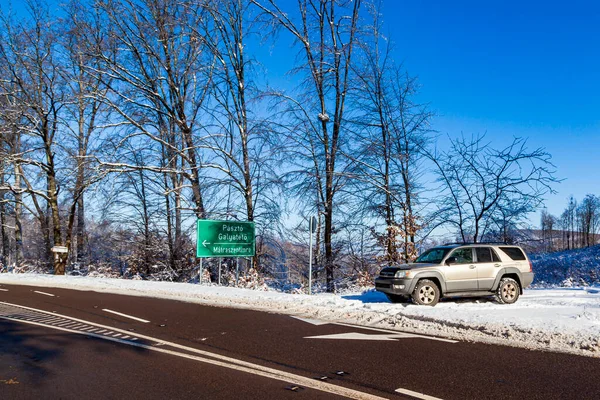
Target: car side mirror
point(451, 260)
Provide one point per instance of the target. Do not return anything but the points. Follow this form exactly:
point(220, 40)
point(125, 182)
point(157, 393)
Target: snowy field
point(564, 320)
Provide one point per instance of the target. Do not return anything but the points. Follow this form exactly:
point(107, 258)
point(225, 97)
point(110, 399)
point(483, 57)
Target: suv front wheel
point(508, 291)
point(426, 293)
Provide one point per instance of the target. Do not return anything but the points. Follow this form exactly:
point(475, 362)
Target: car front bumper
point(399, 286)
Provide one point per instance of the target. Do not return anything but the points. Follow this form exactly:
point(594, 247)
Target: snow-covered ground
point(565, 320)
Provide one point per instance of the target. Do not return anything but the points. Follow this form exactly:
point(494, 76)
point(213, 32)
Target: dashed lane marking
point(3, 290)
point(125, 315)
point(416, 394)
point(44, 293)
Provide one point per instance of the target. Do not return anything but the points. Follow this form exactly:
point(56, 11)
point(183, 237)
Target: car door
point(461, 274)
point(488, 264)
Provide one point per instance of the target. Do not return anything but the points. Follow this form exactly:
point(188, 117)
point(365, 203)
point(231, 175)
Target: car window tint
point(514, 253)
point(483, 254)
point(495, 257)
point(463, 256)
point(434, 256)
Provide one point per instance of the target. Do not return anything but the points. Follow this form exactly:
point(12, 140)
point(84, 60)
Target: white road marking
point(44, 293)
point(125, 315)
point(312, 321)
point(390, 333)
point(3, 290)
point(215, 359)
point(416, 394)
point(357, 336)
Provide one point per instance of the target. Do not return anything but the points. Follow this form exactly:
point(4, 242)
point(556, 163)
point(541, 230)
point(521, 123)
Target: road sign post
point(237, 271)
point(200, 272)
point(312, 228)
point(220, 271)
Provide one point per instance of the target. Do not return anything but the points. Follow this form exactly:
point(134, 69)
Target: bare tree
point(158, 81)
point(243, 146)
point(84, 108)
point(391, 130)
point(587, 215)
point(478, 183)
point(568, 218)
point(30, 50)
point(548, 222)
point(326, 34)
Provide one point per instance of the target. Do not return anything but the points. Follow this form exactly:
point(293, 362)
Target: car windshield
point(433, 256)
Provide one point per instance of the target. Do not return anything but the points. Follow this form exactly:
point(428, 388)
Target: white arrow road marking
point(361, 336)
point(411, 335)
point(416, 394)
point(44, 293)
point(312, 321)
point(125, 315)
point(215, 359)
point(396, 334)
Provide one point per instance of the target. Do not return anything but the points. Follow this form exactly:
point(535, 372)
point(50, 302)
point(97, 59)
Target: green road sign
point(225, 239)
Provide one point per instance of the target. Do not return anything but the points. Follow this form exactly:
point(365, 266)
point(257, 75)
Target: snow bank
point(564, 320)
point(567, 268)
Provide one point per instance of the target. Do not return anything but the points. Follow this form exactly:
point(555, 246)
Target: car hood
point(411, 266)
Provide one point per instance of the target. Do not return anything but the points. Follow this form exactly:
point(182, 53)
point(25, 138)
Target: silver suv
point(455, 270)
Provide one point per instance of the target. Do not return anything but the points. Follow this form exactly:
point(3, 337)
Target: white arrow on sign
point(204, 243)
point(363, 336)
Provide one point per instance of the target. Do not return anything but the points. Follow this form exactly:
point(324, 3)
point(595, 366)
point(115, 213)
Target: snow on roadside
point(563, 320)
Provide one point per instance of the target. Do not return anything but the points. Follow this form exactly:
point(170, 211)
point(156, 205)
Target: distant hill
point(580, 267)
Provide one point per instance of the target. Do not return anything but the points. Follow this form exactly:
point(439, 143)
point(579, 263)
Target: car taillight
point(530, 266)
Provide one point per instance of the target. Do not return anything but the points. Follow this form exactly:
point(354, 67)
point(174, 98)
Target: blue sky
point(506, 68)
point(509, 68)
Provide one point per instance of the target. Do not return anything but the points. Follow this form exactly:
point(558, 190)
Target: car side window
point(483, 254)
point(463, 256)
point(495, 257)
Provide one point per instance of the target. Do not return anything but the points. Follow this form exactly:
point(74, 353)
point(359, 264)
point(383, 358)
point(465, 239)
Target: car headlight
point(401, 274)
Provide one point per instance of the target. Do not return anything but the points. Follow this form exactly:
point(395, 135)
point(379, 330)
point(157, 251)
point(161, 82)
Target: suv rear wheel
point(508, 291)
point(426, 293)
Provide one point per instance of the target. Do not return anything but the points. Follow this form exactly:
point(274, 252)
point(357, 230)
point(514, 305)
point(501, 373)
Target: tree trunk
point(80, 253)
point(194, 176)
point(18, 215)
point(170, 240)
point(146, 217)
point(3, 232)
point(52, 193)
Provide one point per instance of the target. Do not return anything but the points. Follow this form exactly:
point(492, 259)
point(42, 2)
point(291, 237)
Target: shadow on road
point(35, 356)
point(19, 351)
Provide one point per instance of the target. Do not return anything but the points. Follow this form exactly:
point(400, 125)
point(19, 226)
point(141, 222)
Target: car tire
point(508, 291)
point(397, 298)
point(426, 293)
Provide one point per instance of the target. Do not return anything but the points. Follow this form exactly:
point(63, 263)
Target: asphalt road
point(176, 350)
